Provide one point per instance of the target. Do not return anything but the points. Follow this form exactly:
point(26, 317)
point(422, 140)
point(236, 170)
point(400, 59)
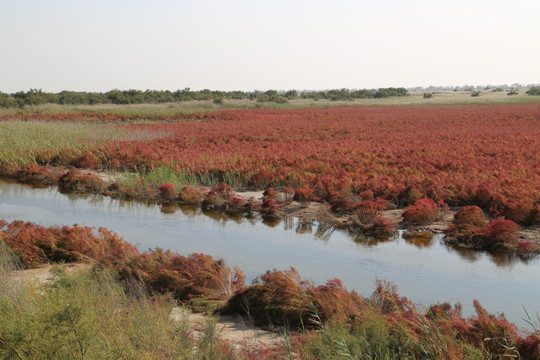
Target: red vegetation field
point(484, 155)
point(468, 155)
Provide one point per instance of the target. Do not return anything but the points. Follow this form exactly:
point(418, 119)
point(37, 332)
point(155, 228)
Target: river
point(426, 271)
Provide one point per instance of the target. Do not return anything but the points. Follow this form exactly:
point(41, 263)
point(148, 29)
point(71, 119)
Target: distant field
point(168, 110)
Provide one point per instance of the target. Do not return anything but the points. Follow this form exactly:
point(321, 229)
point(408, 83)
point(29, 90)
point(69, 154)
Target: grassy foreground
point(120, 310)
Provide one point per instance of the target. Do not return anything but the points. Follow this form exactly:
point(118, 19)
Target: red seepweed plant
point(424, 211)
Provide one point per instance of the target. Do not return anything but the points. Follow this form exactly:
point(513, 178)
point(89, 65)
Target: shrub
point(535, 90)
point(369, 209)
point(276, 195)
point(189, 195)
point(379, 227)
point(333, 302)
point(276, 298)
point(35, 174)
point(428, 95)
point(218, 196)
point(303, 195)
point(77, 181)
point(469, 215)
point(261, 179)
point(494, 334)
point(36, 245)
point(271, 210)
point(185, 277)
point(410, 195)
point(168, 191)
point(517, 211)
point(237, 205)
point(343, 202)
point(529, 348)
point(424, 211)
point(475, 93)
point(500, 234)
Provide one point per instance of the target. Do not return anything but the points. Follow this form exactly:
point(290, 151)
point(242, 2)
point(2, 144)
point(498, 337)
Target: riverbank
point(383, 322)
point(371, 218)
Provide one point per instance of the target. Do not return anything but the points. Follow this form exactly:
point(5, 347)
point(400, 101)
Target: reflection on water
point(419, 239)
point(425, 269)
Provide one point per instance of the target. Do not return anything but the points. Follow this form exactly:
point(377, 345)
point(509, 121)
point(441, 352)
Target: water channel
point(426, 271)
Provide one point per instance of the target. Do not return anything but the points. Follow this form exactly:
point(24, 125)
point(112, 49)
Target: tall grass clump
point(90, 316)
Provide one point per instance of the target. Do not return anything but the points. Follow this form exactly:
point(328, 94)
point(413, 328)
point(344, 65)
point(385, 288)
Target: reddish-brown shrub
point(370, 209)
point(77, 181)
point(261, 179)
point(167, 190)
point(486, 331)
point(410, 195)
point(237, 205)
point(500, 234)
point(270, 209)
point(424, 211)
point(529, 347)
point(218, 196)
point(276, 195)
point(190, 195)
point(518, 211)
point(469, 215)
point(343, 202)
point(185, 277)
point(333, 301)
point(36, 174)
point(366, 195)
point(379, 227)
point(303, 195)
point(276, 298)
point(38, 245)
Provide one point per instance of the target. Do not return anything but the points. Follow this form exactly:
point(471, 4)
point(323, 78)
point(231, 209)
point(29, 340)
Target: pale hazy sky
point(99, 45)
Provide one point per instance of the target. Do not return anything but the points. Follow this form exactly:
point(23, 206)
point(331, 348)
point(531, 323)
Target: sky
point(100, 45)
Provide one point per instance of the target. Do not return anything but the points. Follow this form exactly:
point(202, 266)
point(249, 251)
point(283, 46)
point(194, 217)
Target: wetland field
point(395, 228)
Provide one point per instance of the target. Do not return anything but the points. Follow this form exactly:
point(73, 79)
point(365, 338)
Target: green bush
point(535, 90)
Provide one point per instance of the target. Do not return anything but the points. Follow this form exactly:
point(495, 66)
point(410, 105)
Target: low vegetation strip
point(323, 320)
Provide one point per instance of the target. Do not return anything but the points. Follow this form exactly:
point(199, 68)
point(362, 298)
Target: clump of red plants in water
point(424, 211)
point(168, 191)
point(218, 196)
point(283, 298)
point(370, 221)
point(271, 209)
point(190, 195)
point(35, 174)
point(470, 229)
point(76, 180)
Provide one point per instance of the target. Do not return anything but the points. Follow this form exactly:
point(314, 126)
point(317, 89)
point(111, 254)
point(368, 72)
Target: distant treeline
point(38, 97)
point(473, 87)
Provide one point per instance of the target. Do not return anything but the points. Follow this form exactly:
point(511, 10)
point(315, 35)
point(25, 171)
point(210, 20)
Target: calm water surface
point(425, 270)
